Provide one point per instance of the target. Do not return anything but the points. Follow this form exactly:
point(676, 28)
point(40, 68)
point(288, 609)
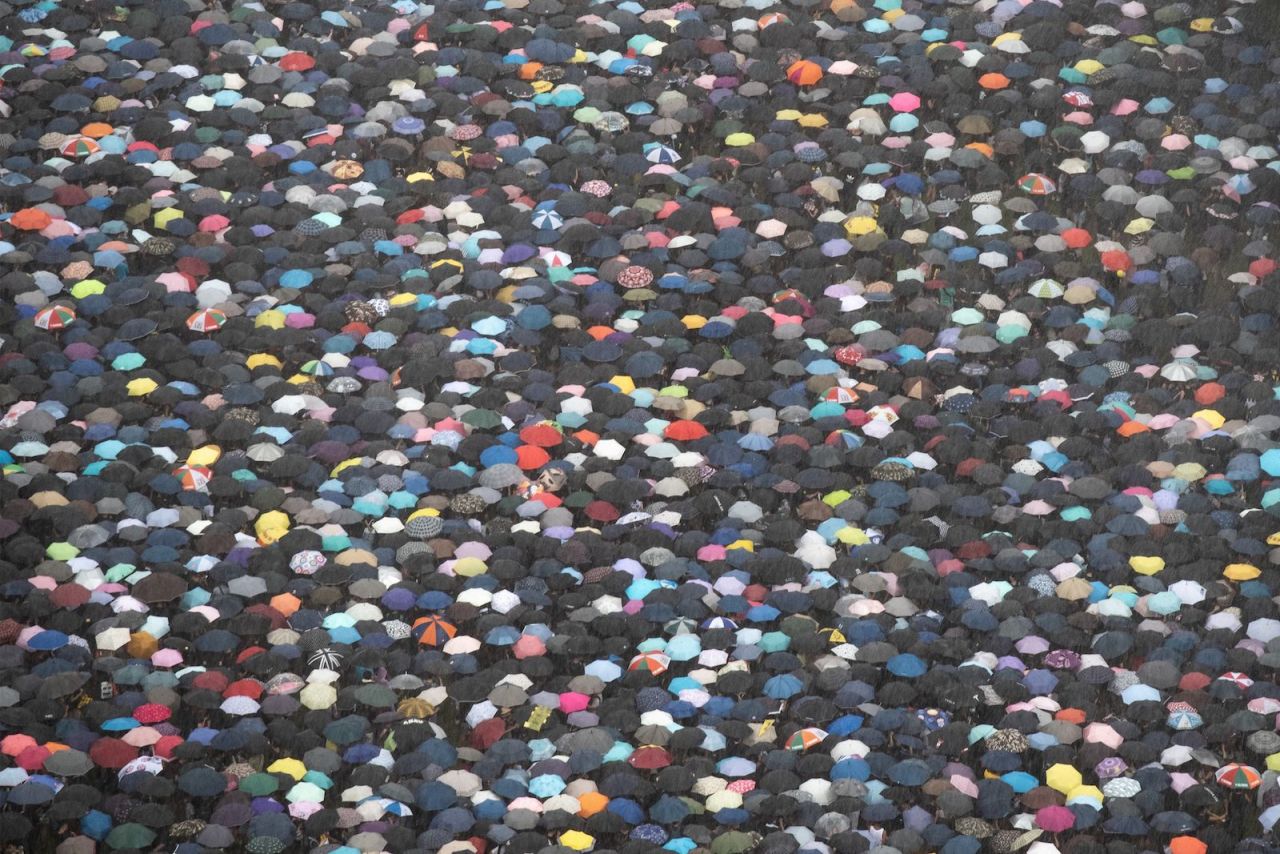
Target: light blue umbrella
point(1139, 694)
point(684, 647)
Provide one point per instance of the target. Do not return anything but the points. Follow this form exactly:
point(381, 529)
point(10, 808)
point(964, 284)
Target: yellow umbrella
point(86, 288)
point(1146, 564)
point(166, 215)
point(206, 455)
point(1273, 762)
point(1211, 417)
point(1241, 572)
point(851, 536)
point(625, 384)
point(693, 321)
point(293, 767)
point(270, 319)
point(470, 567)
point(262, 360)
point(271, 526)
point(1090, 792)
point(344, 465)
point(836, 498)
point(577, 840)
point(858, 226)
point(739, 138)
point(1062, 778)
point(141, 387)
point(1189, 471)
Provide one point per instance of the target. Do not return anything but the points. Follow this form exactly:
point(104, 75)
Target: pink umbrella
point(1099, 732)
point(1055, 819)
point(574, 702)
point(905, 102)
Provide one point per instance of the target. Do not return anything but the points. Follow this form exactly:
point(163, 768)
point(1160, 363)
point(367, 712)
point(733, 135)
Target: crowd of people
point(726, 426)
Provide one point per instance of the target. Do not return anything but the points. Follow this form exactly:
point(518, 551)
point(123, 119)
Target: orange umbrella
point(97, 130)
point(30, 219)
point(1076, 238)
point(993, 80)
point(804, 72)
point(1117, 261)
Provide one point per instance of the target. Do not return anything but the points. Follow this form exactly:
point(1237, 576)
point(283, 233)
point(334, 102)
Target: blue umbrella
point(783, 686)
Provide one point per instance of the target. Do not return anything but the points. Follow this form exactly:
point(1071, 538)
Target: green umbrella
point(131, 835)
point(484, 419)
point(259, 784)
point(377, 696)
point(734, 842)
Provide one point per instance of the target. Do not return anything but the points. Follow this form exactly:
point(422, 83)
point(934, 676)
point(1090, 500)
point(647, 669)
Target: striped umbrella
point(838, 394)
point(1237, 776)
point(325, 659)
point(80, 146)
point(432, 630)
point(655, 663)
point(802, 739)
point(317, 368)
point(656, 152)
point(207, 320)
point(1037, 184)
point(547, 218)
point(193, 478)
point(55, 317)
point(1046, 289)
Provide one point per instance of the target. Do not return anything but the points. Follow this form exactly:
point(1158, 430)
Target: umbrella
point(1234, 775)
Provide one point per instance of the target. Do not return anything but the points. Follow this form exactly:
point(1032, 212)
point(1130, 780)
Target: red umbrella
point(650, 758)
point(683, 431)
point(601, 511)
point(530, 457)
point(32, 759)
point(151, 713)
point(543, 435)
point(487, 733)
point(297, 61)
point(112, 753)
